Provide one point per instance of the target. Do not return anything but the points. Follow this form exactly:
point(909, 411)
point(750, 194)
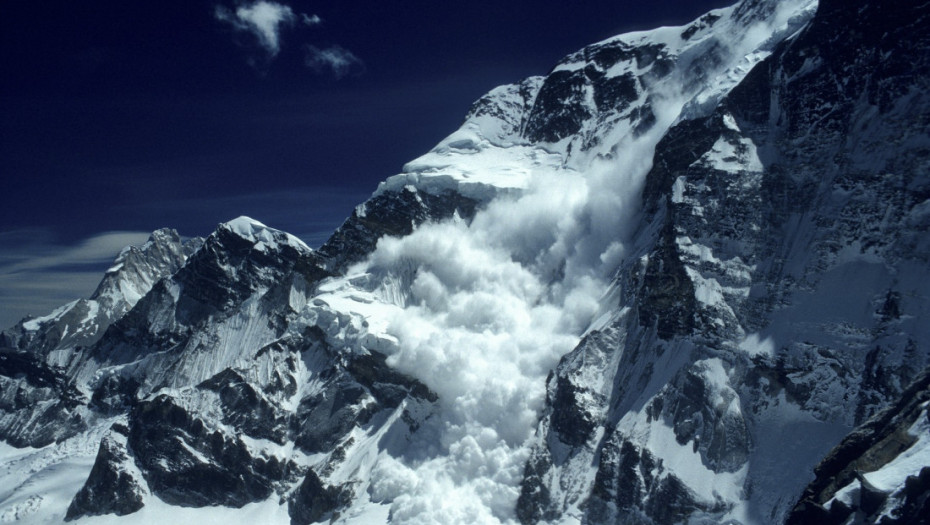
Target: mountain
point(37, 393)
point(682, 277)
point(778, 298)
point(880, 472)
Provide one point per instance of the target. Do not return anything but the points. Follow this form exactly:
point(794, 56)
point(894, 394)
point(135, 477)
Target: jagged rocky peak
point(240, 285)
point(711, 238)
point(133, 273)
point(136, 269)
point(240, 258)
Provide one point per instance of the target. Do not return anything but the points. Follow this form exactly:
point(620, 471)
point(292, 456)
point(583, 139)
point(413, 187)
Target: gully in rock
point(680, 279)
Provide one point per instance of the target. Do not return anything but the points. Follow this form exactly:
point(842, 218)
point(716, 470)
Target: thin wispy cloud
point(100, 248)
point(334, 59)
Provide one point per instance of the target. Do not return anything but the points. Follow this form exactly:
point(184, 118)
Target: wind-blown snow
point(493, 304)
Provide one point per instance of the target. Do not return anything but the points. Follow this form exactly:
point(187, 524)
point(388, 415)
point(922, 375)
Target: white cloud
point(341, 62)
point(264, 20)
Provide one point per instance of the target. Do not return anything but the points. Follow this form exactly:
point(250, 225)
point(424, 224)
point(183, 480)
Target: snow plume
point(341, 62)
point(263, 19)
point(488, 307)
point(492, 306)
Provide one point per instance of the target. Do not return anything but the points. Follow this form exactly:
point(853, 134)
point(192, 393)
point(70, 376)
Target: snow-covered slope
point(131, 276)
point(776, 296)
point(36, 394)
point(658, 284)
point(880, 472)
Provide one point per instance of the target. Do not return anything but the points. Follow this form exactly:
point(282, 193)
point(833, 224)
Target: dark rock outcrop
point(38, 404)
point(186, 462)
point(313, 502)
point(869, 448)
point(113, 486)
point(390, 213)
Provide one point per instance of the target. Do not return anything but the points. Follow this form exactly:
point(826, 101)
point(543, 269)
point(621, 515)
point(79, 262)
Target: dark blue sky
point(130, 116)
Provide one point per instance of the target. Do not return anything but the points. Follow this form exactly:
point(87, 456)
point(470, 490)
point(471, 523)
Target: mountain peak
point(136, 269)
point(164, 235)
point(655, 286)
point(260, 235)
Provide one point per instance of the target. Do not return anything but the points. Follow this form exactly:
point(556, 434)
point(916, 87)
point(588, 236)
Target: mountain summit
point(681, 278)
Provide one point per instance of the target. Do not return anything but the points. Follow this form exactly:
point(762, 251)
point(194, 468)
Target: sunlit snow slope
point(658, 284)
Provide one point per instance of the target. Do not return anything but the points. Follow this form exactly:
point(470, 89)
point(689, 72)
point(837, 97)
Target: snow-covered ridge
point(513, 338)
point(35, 322)
point(596, 101)
point(262, 236)
point(487, 156)
point(133, 273)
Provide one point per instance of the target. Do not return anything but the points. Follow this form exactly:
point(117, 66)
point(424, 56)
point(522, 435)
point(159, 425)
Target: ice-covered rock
point(880, 473)
point(656, 285)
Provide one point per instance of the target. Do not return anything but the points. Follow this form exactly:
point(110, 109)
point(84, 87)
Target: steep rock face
point(781, 233)
point(84, 321)
point(315, 503)
point(114, 485)
point(569, 99)
point(39, 403)
point(852, 164)
point(768, 294)
point(877, 474)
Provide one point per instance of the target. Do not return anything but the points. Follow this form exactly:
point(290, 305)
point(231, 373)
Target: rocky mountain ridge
point(653, 286)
